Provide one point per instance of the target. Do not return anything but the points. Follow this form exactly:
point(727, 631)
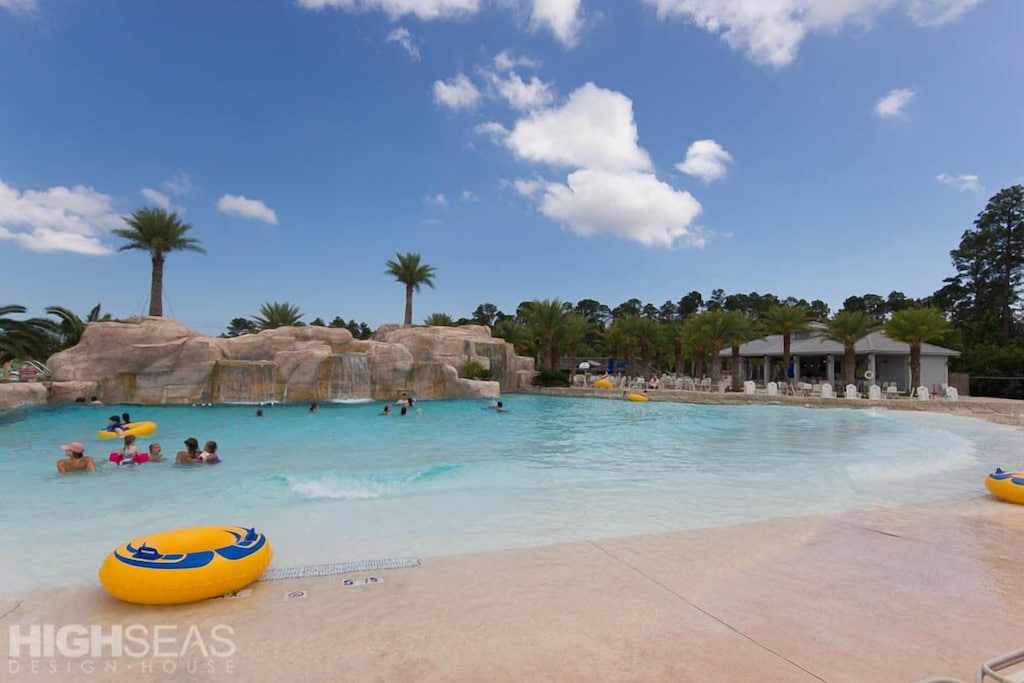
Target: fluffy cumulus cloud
point(561, 17)
point(519, 94)
point(705, 159)
point(239, 205)
point(965, 182)
point(770, 31)
point(593, 129)
point(404, 38)
point(636, 206)
point(58, 219)
point(894, 104)
point(456, 93)
point(425, 10)
point(436, 200)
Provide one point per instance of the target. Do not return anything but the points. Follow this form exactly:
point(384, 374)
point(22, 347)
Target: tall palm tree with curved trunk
point(787, 320)
point(916, 326)
point(847, 327)
point(155, 230)
point(274, 314)
point(410, 272)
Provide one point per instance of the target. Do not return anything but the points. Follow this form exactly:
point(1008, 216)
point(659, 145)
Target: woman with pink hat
point(76, 460)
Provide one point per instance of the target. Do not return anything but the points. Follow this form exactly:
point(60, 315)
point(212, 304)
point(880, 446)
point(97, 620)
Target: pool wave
point(332, 485)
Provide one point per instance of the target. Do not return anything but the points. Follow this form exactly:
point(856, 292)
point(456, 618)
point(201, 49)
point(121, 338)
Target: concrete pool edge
point(880, 594)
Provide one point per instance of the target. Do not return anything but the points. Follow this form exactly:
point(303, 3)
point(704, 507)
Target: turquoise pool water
point(345, 484)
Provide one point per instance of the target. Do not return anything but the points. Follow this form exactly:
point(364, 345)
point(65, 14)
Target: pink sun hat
point(74, 447)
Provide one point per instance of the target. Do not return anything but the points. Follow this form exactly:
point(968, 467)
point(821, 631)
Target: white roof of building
point(876, 342)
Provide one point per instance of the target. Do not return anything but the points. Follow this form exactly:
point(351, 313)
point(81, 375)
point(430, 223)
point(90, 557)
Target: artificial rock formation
point(159, 360)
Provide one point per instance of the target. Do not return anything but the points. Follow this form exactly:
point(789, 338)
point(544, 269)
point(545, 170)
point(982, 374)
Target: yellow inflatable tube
point(185, 565)
point(1008, 486)
point(132, 428)
point(637, 397)
point(603, 383)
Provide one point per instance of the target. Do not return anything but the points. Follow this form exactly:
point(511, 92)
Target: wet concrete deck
point(895, 594)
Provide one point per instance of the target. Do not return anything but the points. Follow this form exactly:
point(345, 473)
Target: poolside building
point(815, 358)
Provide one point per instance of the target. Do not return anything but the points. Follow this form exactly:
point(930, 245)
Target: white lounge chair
point(826, 391)
point(922, 393)
point(749, 388)
point(891, 391)
point(952, 394)
point(772, 389)
point(851, 391)
point(874, 392)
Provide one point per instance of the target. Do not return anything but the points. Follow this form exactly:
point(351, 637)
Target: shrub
point(474, 369)
point(551, 378)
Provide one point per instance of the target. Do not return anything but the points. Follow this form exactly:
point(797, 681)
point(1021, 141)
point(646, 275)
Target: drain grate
point(332, 568)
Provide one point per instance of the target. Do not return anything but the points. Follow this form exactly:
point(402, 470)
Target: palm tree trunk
point(737, 380)
point(408, 305)
point(915, 366)
point(849, 363)
point(787, 344)
point(716, 362)
point(156, 287)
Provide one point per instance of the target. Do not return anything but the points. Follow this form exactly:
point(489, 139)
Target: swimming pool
point(345, 484)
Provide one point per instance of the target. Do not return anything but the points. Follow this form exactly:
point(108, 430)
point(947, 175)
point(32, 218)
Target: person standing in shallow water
point(190, 454)
point(314, 407)
point(75, 459)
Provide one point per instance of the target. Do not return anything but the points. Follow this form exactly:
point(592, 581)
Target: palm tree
point(547, 321)
point(408, 271)
point(70, 327)
point(439, 320)
point(847, 327)
point(28, 339)
point(158, 232)
point(786, 320)
point(916, 326)
point(274, 314)
point(741, 329)
point(719, 327)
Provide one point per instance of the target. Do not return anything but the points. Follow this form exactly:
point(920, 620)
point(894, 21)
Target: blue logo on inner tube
point(150, 558)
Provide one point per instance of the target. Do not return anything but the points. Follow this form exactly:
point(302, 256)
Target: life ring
point(868, 374)
point(603, 383)
point(138, 459)
point(1008, 486)
point(185, 565)
point(143, 428)
point(637, 397)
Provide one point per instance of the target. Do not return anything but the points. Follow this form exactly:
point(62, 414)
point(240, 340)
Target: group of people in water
point(75, 459)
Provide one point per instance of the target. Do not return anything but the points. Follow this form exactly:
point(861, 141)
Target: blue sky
point(526, 149)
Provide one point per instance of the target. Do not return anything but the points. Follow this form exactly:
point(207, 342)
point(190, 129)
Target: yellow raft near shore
point(604, 383)
point(185, 565)
point(637, 397)
point(1008, 486)
point(142, 428)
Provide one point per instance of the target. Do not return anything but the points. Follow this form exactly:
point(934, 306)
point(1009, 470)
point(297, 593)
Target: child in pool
point(209, 454)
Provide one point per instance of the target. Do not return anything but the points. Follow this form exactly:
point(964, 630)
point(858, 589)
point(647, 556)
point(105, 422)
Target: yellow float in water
point(1008, 486)
point(637, 397)
point(185, 565)
point(132, 428)
point(603, 383)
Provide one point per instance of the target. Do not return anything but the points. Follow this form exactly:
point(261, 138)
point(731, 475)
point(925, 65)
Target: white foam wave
point(342, 488)
point(881, 472)
point(351, 401)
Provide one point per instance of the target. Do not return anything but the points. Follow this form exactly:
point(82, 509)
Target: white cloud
point(57, 219)
point(770, 31)
point(25, 6)
point(964, 182)
point(404, 38)
point(156, 197)
point(561, 17)
point(520, 95)
point(425, 10)
point(239, 205)
point(506, 61)
point(894, 103)
point(436, 200)
point(705, 159)
point(939, 12)
point(495, 131)
point(632, 205)
point(594, 129)
point(180, 184)
point(468, 196)
point(457, 93)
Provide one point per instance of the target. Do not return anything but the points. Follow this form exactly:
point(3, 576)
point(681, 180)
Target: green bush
point(551, 378)
point(474, 369)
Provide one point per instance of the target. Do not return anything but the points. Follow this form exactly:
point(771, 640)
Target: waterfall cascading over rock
point(243, 381)
point(345, 376)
